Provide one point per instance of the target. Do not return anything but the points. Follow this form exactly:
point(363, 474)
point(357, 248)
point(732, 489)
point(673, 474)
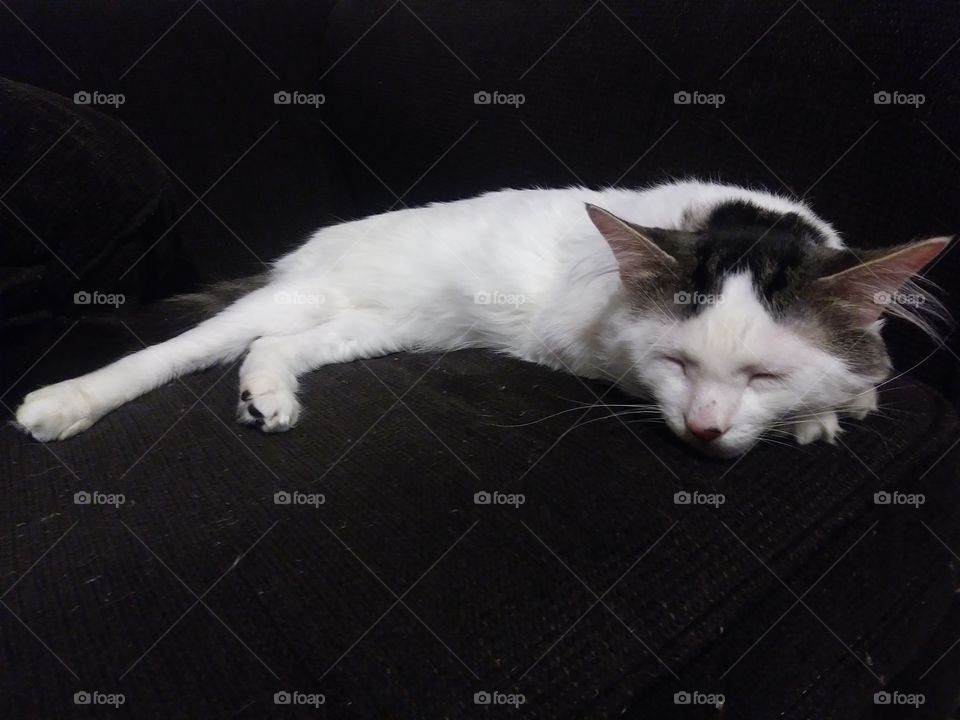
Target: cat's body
point(536, 275)
point(519, 271)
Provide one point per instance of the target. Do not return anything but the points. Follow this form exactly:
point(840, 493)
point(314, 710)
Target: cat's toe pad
point(824, 426)
point(267, 404)
point(56, 412)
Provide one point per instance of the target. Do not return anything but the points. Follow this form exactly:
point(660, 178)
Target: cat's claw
point(266, 404)
point(56, 412)
point(825, 426)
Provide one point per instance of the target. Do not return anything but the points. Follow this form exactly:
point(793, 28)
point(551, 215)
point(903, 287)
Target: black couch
point(601, 595)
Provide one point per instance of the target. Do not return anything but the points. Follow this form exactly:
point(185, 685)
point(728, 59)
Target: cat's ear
point(638, 250)
point(874, 283)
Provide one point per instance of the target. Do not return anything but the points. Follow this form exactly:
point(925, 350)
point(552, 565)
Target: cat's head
point(754, 321)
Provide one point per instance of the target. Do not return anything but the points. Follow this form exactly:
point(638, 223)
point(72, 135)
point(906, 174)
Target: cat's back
point(512, 229)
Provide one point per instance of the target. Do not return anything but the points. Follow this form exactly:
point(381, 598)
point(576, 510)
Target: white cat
point(736, 311)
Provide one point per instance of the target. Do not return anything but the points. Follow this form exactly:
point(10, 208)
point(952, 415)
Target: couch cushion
point(199, 82)
point(83, 209)
point(401, 595)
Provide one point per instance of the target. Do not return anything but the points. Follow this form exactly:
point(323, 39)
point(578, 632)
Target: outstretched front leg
point(268, 376)
point(59, 411)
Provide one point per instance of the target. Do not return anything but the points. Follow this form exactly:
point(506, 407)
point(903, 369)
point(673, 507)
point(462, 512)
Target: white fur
point(415, 279)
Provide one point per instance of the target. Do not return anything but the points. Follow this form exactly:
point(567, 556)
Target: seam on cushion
point(120, 239)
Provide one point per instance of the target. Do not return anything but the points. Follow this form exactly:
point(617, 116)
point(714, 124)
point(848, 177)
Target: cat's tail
point(217, 296)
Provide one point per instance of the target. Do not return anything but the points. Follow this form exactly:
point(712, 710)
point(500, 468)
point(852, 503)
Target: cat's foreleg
point(819, 426)
point(268, 376)
point(58, 411)
point(826, 425)
point(864, 404)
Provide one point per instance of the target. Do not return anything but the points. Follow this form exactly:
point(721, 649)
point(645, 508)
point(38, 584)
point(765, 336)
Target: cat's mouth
point(722, 446)
point(716, 448)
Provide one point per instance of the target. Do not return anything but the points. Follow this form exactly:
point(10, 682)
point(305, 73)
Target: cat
point(738, 312)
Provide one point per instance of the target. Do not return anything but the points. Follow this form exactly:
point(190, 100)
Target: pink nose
point(704, 434)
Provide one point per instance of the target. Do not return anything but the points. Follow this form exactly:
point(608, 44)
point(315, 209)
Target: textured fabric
point(85, 209)
point(79, 188)
point(513, 589)
point(201, 98)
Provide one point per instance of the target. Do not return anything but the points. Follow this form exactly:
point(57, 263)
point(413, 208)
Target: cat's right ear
point(633, 246)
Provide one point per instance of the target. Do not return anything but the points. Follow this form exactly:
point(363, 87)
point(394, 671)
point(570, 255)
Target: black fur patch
point(782, 252)
point(784, 255)
point(772, 247)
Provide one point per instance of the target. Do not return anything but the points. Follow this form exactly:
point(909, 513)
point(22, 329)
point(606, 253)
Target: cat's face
point(727, 375)
point(740, 331)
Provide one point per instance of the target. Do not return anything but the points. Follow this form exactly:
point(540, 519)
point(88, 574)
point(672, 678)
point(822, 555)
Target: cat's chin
point(716, 452)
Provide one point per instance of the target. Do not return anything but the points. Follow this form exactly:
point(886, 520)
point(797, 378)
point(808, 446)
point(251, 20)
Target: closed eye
point(764, 376)
point(676, 360)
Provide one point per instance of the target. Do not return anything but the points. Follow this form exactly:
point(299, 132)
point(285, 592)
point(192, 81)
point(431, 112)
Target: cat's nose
point(704, 434)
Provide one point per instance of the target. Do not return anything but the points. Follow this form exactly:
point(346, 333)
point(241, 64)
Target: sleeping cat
point(736, 311)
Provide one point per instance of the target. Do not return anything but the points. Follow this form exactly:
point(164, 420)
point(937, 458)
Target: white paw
point(267, 403)
point(863, 404)
point(56, 412)
point(817, 427)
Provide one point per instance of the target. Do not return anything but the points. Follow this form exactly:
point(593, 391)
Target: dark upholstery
point(85, 210)
point(400, 596)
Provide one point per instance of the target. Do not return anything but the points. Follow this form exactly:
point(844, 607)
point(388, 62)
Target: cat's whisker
point(771, 441)
point(627, 409)
point(543, 419)
point(600, 403)
point(778, 432)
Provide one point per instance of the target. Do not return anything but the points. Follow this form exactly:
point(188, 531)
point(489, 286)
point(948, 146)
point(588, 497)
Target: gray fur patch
point(219, 295)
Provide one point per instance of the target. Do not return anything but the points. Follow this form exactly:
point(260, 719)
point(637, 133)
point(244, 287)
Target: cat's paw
point(824, 426)
point(267, 403)
point(864, 404)
point(56, 412)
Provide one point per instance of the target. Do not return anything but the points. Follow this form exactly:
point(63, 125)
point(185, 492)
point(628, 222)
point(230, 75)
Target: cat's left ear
point(640, 251)
point(867, 287)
